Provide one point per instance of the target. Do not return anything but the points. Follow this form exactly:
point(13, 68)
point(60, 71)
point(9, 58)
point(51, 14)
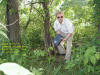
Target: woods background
point(26, 35)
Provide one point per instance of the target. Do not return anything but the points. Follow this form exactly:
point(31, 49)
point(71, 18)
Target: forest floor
point(56, 67)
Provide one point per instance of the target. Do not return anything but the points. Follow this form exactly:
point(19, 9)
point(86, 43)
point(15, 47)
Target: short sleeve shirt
point(65, 27)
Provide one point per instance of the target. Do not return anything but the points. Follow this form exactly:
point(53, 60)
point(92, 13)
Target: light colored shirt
point(65, 27)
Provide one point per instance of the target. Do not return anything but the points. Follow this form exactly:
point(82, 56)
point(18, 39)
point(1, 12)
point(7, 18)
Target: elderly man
point(64, 27)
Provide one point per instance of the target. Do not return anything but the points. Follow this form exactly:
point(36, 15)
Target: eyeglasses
point(60, 17)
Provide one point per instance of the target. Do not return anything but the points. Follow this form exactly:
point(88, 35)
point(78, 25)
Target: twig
point(51, 3)
point(38, 12)
point(29, 17)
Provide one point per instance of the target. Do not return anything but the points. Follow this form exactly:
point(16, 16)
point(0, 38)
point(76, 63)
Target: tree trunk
point(99, 28)
point(46, 25)
point(13, 21)
point(97, 12)
point(97, 20)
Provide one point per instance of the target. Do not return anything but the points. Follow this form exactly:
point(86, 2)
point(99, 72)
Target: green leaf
point(93, 60)
point(50, 48)
point(97, 56)
point(2, 33)
point(98, 42)
point(90, 68)
point(2, 26)
point(85, 61)
point(57, 70)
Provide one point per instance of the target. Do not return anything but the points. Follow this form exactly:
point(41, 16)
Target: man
point(65, 28)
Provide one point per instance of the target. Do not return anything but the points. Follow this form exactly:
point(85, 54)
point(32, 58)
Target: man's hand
point(62, 43)
point(63, 40)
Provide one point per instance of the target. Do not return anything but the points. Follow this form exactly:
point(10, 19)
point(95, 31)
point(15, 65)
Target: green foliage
point(36, 71)
point(3, 10)
point(89, 55)
point(35, 39)
point(84, 33)
point(56, 70)
point(35, 26)
point(50, 49)
point(2, 73)
point(2, 29)
point(71, 9)
point(96, 11)
point(39, 53)
point(84, 60)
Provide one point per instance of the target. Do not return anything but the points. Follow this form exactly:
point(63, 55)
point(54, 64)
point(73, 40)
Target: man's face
point(60, 17)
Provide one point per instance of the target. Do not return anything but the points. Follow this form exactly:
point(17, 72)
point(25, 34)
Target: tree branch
point(29, 18)
point(38, 12)
point(37, 2)
point(51, 3)
point(34, 3)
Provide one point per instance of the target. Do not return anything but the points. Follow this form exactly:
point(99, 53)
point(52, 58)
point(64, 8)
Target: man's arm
point(66, 38)
point(68, 35)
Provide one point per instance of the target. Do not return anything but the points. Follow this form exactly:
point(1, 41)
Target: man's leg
point(68, 48)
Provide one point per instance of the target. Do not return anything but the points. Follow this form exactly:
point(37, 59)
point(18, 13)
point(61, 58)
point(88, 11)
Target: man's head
point(59, 16)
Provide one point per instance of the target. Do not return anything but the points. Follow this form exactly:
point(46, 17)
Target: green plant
point(84, 60)
point(2, 30)
point(56, 70)
point(39, 53)
point(36, 71)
